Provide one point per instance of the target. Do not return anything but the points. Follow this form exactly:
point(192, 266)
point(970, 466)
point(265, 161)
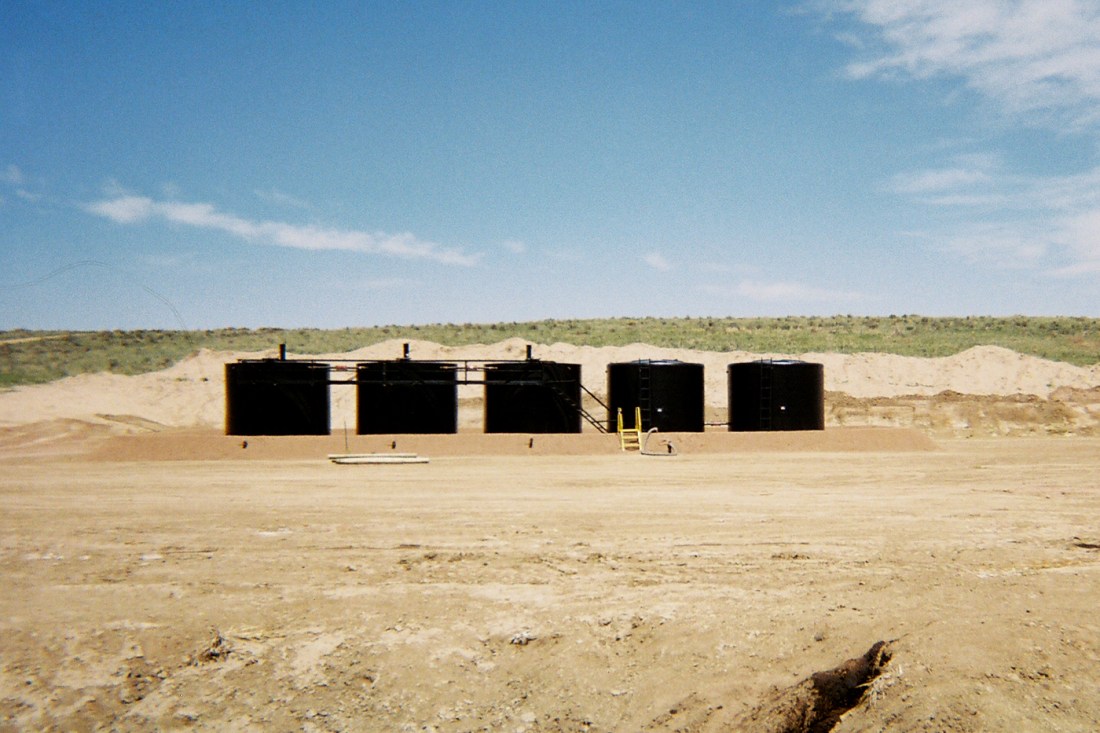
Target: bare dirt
point(160, 575)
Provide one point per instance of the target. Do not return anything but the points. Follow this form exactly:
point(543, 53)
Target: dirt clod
point(219, 649)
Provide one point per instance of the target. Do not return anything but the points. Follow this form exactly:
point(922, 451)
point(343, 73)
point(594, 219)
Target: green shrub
point(29, 357)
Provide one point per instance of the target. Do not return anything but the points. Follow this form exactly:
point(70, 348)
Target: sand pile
point(192, 393)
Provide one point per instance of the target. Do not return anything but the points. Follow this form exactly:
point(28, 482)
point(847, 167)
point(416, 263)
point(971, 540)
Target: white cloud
point(968, 180)
point(1037, 58)
point(129, 209)
point(124, 209)
point(781, 291)
point(1009, 246)
point(1079, 234)
point(967, 200)
point(514, 246)
point(1018, 221)
point(937, 180)
point(657, 261)
point(1070, 193)
point(12, 175)
point(1077, 269)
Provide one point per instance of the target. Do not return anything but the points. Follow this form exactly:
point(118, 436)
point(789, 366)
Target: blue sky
point(341, 164)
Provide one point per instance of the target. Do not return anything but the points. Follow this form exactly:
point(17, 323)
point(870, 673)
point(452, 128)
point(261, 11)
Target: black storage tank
point(669, 393)
point(776, 395)
point(275, 397)
point(532, 396)
point(405, 396)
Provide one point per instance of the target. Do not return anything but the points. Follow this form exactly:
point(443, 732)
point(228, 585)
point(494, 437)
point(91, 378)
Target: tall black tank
point(669, 393)
point(532, 396)
point(404, 396)
point(776, 395)
point(275, 397)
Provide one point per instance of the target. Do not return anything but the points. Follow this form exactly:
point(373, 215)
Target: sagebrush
point(28, 357)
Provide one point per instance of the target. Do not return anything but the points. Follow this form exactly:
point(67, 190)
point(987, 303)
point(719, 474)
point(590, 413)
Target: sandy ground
point(158, 575)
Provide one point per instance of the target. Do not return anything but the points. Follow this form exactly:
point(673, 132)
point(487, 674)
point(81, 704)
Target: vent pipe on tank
point(406, 350)
point(282, 352)
point(528, 352)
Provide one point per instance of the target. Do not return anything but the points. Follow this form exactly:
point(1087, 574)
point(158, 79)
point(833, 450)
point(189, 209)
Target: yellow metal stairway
point(631, 438)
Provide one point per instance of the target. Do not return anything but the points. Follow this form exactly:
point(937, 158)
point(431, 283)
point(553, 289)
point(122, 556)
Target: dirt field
point(603, 592)
point(160, 575)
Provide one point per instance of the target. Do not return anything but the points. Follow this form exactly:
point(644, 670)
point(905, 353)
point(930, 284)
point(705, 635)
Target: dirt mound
point(1067, 412)
point(52, 439)
point(903, 391)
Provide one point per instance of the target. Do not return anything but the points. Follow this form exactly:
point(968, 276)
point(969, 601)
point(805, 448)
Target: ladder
point(644, 412)
point(631, 438)
point(765, 396)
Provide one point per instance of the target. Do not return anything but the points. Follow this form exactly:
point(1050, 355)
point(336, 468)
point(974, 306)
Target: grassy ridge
point(28, 357)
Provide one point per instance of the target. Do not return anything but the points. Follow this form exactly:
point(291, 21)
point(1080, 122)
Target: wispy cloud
point(1035, 58)
point(967, 180)
point(129, 209)
point(1080, 236)
point(1004, 245)
point(14, 178)
point(514, 246)
point(1044, 223)
point(937, 180)
point(12, 175)
point(657, 261)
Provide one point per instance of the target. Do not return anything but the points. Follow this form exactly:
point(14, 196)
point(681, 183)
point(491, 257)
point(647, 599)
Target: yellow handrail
point(630, 438)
